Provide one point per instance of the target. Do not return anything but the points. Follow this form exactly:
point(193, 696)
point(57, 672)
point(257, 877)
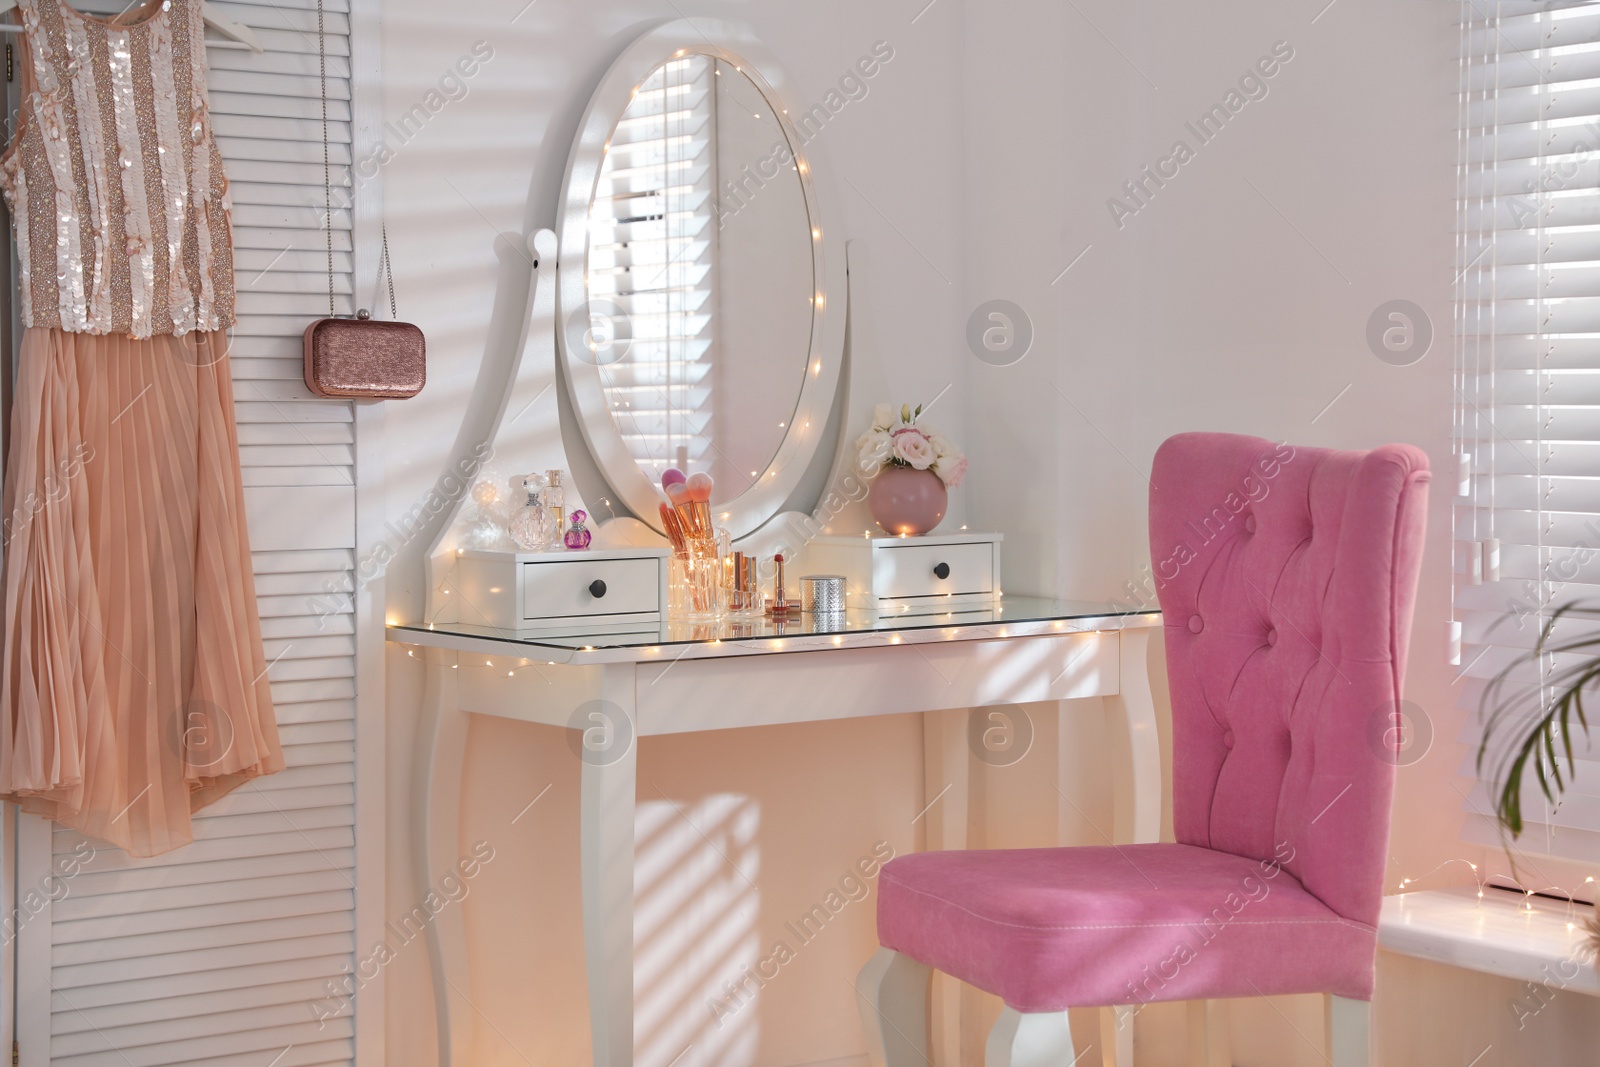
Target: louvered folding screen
point(653, 242)
point(1528, 373)
point(221, 953)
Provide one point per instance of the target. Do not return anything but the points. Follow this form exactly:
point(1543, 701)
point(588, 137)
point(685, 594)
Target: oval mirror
point(695, 277)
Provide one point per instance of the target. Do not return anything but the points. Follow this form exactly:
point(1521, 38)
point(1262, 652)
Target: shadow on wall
point(695, 910)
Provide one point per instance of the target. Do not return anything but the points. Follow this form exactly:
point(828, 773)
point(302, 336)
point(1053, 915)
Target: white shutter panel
point(1528, 374)
point(219, 953)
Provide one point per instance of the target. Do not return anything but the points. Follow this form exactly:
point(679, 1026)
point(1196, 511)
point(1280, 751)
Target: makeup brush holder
point(696, 585)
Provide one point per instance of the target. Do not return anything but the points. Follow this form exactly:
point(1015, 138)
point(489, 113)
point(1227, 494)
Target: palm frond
point(1536, 744)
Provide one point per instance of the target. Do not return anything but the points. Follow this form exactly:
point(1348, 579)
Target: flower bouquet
point(912, 467)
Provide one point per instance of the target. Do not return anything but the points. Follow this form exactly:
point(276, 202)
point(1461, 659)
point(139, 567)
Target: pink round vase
point(904, 500)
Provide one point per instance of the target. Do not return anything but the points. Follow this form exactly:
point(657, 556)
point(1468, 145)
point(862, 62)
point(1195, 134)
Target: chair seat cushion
point(1052, 928)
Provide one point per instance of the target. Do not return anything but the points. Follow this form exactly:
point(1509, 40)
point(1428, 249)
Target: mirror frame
point(805, 436)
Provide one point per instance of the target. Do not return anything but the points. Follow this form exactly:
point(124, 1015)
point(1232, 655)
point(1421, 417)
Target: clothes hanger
point(237, 33)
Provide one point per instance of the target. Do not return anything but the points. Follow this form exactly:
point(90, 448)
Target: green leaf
point(1562, 701)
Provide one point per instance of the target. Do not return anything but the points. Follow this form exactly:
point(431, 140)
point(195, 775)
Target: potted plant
point(912, 466)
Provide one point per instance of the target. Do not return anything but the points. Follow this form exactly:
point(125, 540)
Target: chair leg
point(1033, 1040)
point(1348, 1031)
point(1210, 1043)
point(893, 992)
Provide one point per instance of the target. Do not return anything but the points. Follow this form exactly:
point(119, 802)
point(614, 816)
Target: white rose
point(941, 444)
point(874, 449)
point(882, 417)
point(951, 468)
point(912, 448)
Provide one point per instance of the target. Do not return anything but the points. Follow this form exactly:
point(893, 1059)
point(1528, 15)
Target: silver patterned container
point(822, 594)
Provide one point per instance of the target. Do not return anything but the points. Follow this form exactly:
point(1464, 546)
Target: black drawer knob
point(597, 588)
point(941, 570)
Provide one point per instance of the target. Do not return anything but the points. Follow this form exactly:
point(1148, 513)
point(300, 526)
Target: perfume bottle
point(532, 527)
point(554, 499)
point(578, 535)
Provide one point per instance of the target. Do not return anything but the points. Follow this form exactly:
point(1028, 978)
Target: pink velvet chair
point(1286, 578)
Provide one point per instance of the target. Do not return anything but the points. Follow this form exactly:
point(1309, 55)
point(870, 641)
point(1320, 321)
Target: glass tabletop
point(1008, 611)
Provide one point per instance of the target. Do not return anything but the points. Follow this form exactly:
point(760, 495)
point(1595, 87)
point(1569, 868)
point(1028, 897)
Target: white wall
point(977, 168)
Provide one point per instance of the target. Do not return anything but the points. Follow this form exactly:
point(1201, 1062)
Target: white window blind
point(653, 243)
point(222, 952)
point(1527, 379)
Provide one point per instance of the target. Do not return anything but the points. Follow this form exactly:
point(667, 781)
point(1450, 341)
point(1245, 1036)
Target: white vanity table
point(701, 323)
point(611, 689)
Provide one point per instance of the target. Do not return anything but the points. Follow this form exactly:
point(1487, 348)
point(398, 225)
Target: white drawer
point(933, 573)
point(541, 590)
point(584, 587)
point(933, 570)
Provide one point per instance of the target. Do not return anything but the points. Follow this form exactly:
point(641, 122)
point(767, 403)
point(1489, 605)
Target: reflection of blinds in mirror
point(651, 252)
point(1527, 379)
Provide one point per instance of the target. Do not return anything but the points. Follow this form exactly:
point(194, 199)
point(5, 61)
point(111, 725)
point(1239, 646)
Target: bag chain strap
point(385, 268)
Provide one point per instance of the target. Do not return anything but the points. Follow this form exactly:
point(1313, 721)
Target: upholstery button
point(1250, 523)
point(1195, 624)
point(1272, 636)
point(1227, 739)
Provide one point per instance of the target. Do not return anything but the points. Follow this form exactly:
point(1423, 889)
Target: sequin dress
point(134, 680)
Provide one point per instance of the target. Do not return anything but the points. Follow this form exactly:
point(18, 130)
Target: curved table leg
point(1138, 812)
point(441, 749)
point(610, 776)
point(947, 791)
point(1138, 797)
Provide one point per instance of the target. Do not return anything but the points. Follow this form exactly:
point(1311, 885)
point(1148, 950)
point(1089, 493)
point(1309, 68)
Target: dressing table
point(705, 326)
point(611, 689)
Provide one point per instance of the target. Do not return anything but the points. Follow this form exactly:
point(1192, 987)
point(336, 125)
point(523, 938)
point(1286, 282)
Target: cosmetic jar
point(822, 594)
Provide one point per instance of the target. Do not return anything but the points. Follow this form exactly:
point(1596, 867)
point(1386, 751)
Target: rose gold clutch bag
point(365, 357)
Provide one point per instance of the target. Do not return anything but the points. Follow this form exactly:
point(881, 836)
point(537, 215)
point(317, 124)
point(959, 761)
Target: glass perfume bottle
point(577, 537)
point(554, 499)
point(532, 527)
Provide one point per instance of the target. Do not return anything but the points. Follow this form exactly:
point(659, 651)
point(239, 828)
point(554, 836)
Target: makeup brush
point(672, 476)
point(700, 485)
point(675, 533)
point(678, 493)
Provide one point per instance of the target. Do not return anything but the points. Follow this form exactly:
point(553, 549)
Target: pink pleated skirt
point(135, 686)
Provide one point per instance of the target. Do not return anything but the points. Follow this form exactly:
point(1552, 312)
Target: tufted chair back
point(1286, 577)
